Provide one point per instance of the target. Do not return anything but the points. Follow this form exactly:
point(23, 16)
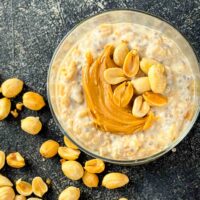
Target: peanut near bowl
point(125, 91)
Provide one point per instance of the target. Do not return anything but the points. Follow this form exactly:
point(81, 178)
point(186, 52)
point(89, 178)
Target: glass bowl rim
point(113, 161)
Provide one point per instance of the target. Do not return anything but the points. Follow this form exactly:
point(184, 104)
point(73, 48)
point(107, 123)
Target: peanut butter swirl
point(99, 97)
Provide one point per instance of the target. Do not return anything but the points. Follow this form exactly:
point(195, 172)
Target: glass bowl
point(119, 16)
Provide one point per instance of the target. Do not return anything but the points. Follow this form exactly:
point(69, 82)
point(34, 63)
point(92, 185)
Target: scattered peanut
point(19, 106)
point(7, 193)
point(120, 53)
point(70, 193)
point(34, 198)
point(73, 170)
point(31, 125)
point(141, 85)
point(49, 148)
point(11, 87)
point(131, 63)
point(157, 79)
point(33, 101)
point(39, 187)
point(68, 153)
point(24, 188)
point(5, 106)
point(69, 143)
point(20, 197)
point(2, 159)
point(146, 63)
point(114, 180)
point(90, 180)
point(15, 160)
point(114, 75)
point(123, 198)
point(4, 181)
point(94, 166)
point(123, 94)
point(140, 107)
point(14, 113)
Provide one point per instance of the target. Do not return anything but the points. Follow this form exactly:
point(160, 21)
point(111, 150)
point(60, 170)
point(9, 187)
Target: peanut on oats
point(114, 75)
point(155, 99)
point(157, 79)
point(39, 186)
point(120, 53)
point(140, 107)
point(5, 106)
point(69, 143)
point(12, 87)
point(15, 160)
point(20, 197)
point(114, 180)
point(131, 63)
point(33, 101)
point(31, 125)
point(90, 180)
point(4, 181)
point(68, 153)
point(7, 193)
point(24, 188)
point(2, 159)
point(94, 166)
point(146, 63)
point(141, 85)
point(70, 193)
point(73, 170)
point(123, 93)
point(49, 148)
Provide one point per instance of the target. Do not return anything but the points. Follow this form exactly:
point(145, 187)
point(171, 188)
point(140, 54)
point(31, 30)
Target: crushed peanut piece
point(19, 106)
point(14, 113)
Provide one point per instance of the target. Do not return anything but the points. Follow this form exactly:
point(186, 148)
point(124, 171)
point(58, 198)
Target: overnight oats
point(124, 91)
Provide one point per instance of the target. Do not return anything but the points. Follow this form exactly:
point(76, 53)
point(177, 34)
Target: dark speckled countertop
point(30, 30)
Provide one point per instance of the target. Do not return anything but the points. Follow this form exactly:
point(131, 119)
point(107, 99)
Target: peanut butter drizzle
point(99, 98)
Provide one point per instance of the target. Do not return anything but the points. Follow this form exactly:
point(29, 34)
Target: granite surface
point(30, 30)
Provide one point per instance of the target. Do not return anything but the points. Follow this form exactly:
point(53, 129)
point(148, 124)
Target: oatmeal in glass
point(124, 91)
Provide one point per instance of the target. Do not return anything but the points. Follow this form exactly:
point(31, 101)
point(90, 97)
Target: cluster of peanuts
point(71, 168)
point(145, 78)
point(38, 186)
point(31, 100)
